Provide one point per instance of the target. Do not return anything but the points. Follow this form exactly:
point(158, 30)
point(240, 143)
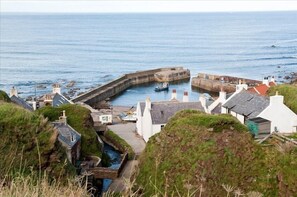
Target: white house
point(153, 116)
point(282, 119)
point(246, 105)
point(54, 99)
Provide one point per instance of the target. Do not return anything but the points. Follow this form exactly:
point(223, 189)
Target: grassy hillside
point(289, 92)
point(28, 143)
point(197, 150)
point(4, 96)
point(80, 119)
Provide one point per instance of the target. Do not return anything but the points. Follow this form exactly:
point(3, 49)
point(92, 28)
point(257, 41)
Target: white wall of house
point(282, 118)
point(139, 120)
point(156, 128)
point(224, 110)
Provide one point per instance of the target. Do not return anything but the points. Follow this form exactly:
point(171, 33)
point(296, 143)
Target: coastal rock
point(40, 86)
point(70, 84)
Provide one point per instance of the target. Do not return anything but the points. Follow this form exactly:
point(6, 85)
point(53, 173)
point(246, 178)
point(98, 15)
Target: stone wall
point(213, 83)
point(120, 84)
point(108, 173)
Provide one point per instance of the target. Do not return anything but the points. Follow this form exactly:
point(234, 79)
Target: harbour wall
point(122, 83)
point(214, 83)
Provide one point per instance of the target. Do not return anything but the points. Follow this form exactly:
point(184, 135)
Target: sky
point(135, 6)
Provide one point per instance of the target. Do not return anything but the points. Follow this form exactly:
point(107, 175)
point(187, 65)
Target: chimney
point(56, 88)
point(148, 103)
point(276, 100)
point(222, 95)
point(174, 95)
point(240, 86)
point(272, 79)
point(34, 105)
point(186, 97)
point(265, 81)
point(63, 118)
point(13, 92)
point(202, 99)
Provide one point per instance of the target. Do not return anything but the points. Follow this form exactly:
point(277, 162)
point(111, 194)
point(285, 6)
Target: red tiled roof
point(260, 89)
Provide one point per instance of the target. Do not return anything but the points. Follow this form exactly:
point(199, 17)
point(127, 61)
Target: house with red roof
point(263, 88)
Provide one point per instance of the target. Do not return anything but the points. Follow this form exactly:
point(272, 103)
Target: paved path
point(128, 133)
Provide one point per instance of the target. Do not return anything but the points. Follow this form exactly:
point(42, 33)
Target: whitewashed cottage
point(153, 116)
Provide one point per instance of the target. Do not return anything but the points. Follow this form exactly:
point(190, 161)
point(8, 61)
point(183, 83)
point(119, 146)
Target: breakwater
point(214, 83)
point(122, 83)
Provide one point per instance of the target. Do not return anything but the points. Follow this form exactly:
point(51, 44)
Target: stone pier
point(126, 81)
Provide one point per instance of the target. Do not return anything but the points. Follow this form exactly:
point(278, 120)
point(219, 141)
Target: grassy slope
point(80, 119)
point(23, 136)
point(196, 149)
point(4, 96)
point(289, 92)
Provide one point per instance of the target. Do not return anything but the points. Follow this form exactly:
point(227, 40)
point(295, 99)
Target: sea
point(37, 50)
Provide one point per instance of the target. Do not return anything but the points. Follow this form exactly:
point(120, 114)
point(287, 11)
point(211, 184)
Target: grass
point(289, 92)
point(197, 149)
point(80, 119)
point(122, 144)
point(28, 143)
point(4, 96)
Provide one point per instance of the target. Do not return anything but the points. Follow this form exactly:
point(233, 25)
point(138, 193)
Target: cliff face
point(197, 150)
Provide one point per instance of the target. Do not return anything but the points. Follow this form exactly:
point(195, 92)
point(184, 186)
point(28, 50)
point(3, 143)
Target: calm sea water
point(95, 48)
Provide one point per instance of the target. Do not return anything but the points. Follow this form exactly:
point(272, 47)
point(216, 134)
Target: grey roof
point(67, 134)
point(161, 112)
point(59, 100)
point(217, 109)
point(19, 101)
point(247, 103)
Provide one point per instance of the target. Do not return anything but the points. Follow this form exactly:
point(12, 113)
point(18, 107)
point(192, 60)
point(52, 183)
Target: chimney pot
point(186, 97)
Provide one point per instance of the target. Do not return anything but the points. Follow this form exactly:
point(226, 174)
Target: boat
point(129, 117)
point(162, 87)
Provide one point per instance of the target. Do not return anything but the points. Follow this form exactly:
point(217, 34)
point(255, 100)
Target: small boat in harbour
point(163, 87)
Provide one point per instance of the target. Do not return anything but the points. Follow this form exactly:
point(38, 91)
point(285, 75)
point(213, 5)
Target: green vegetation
point(198, 152)
point(80, 119)
point(21, 186)
point(28, 144)
point(124, 146)
point(289, 92)
point(4, 96)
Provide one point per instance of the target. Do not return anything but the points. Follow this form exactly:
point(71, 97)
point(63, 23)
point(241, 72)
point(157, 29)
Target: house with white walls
point(55, 98)
point(246, 105)
point(153, 116)
point(283, 119)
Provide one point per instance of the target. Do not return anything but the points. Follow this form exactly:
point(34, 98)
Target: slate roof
point(247, 104)
point(161, 112)
point(67, 134)
point(217, 109)
point(59, 100)
point(19, 101)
